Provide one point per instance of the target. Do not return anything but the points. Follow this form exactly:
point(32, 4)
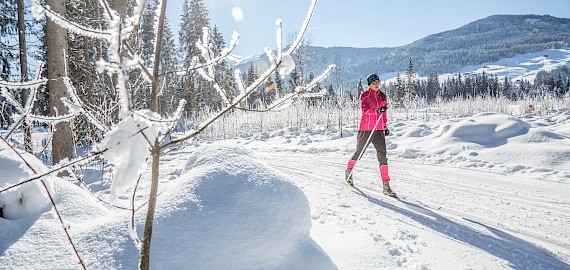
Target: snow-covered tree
point(194, 20)
point(410, 91)
point(433, 86)
point(224, 72)
point(147, 32)
point(254, 100)
point(294, 79)
point(169, 82)
point(279, 84)
point(399, 93)
point(359, 89)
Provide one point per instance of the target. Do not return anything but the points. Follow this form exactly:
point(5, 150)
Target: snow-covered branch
point(303, 28)
point(24, 112)
point(23, 85)
point(279, 38)
point(39, 10)
point(302, 91)
point(195, 65)
point(64, 166)
point(76, 106)
point(137, 13)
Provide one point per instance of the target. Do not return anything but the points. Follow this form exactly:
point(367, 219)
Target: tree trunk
point(156, 63)
point(145, 251)
point(56, 41)
point(121, 7)
point(24, 72)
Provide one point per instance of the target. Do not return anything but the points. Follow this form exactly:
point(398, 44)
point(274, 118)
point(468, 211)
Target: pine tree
point(254, 99)
point(310, 78)
point(279, 86)
point(302, 56)
point(492, 85)
point(194, 19)
point(294, 80)
point(223, 71)
point(93, 88)
point(506, 87)
point(250, 75)
point(331, 94)
point(8, 34)
point(359, 89)
point(559, 86)
point(433, 87)
point(410, 91)
point(169, 81)
point(268, 92)
point(147, 33)
point(399, 95)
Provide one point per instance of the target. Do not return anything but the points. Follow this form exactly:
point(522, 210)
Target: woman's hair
point(383, 95)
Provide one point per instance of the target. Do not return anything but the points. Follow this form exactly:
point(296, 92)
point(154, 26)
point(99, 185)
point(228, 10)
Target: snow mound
point(417, 131)
point(29, 199)
point(226, 211)
point(540, 136)
point(230, 211)
point(486, 129)
point(82, 207)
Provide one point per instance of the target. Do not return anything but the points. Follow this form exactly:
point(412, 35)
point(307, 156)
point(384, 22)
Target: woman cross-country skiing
point(374, 104)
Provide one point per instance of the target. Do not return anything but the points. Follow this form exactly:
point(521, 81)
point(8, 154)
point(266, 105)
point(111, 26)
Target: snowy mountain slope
point(524, 66)
point(480, 43)
point(520, 67)
point(486, 40)
point(468, 202)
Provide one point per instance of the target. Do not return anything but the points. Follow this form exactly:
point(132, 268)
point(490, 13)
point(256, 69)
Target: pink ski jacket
point(370, 101)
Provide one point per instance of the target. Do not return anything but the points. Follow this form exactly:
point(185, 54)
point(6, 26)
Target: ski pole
point(364, 149)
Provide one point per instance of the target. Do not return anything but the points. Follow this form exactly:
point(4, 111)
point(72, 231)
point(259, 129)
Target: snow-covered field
point(489, 191)
point(520, 67)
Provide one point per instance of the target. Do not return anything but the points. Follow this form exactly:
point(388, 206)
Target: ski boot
point(348, 177)
point(387, 190)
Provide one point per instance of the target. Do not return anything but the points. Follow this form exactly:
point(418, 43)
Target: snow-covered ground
point(488, 191)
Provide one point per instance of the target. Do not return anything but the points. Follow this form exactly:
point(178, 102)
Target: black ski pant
point(378, 140)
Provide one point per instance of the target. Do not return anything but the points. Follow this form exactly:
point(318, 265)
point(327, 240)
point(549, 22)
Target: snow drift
point(29, 199)
point(226, 210)
point(234, 213)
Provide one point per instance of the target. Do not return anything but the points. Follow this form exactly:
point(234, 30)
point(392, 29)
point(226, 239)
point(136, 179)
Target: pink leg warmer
point(351, 164)
point(384, 173)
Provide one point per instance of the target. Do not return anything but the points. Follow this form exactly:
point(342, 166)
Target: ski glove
point(382, 110)
point(386, 131)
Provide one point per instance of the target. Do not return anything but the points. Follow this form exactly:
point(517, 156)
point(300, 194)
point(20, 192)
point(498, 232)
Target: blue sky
point(356, 23)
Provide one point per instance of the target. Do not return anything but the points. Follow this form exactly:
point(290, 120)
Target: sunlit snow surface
point(489, 191)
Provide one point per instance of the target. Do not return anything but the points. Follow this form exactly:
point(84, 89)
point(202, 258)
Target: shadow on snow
point(518, 252)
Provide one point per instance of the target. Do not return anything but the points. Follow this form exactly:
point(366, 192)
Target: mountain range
point(481, 42)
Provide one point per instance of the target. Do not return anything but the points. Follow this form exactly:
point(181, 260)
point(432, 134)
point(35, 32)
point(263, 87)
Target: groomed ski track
point(446, 218)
